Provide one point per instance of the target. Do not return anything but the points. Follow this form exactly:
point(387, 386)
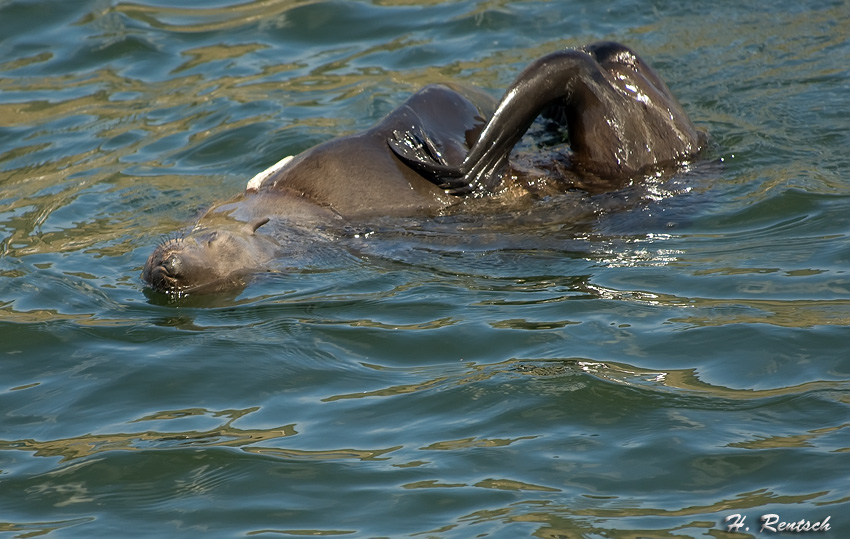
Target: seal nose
point(172, 265)
point(163, 270)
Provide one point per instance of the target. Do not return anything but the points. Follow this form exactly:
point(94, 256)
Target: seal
point(443, 144)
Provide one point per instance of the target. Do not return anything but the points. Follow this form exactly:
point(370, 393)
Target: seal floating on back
point(445, 143)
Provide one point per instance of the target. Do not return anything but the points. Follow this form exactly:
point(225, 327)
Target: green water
point(641, 364)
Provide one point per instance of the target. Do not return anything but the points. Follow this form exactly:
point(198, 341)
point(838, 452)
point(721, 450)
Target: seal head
point(208, 260)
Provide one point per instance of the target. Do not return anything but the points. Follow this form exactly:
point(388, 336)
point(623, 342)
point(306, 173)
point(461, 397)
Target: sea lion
point(444, 144)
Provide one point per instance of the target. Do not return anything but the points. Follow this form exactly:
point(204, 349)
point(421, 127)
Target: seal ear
point(252, 227)
point(418, 151)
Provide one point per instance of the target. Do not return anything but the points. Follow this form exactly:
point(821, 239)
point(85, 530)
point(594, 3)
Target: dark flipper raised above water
point(419, 151)
point(620, 117)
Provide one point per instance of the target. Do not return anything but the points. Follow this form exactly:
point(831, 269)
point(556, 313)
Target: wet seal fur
point(443, 145)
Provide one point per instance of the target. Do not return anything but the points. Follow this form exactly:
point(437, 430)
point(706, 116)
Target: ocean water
point(643, 363)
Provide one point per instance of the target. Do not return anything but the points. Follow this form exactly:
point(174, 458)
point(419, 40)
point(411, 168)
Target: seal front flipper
point(419, 151)
point(557, 78)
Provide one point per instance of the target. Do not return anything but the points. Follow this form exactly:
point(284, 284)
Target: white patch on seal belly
point(255, 182)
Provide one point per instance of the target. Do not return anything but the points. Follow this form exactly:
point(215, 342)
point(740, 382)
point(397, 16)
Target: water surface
point(639, 364)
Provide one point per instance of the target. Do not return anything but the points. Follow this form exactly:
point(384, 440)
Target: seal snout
point(171, 266)
point(164, 267)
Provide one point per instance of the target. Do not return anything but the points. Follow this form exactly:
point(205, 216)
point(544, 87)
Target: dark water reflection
point(636, 364)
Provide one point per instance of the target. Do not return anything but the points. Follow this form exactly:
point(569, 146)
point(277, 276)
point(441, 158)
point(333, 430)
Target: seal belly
point(352, 179)
point(359, 176)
